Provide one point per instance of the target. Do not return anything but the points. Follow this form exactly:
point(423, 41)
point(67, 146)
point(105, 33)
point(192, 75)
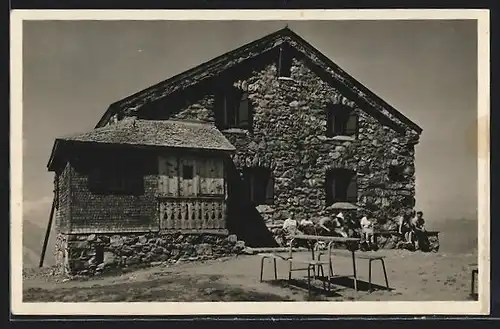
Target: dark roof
point(159, 133)
point(251, 50)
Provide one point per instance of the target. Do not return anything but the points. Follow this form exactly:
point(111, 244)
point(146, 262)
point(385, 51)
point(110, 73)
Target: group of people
point(334, 226)
point(411, 227)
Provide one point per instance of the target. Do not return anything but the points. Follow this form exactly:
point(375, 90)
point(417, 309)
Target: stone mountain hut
point(206, 161)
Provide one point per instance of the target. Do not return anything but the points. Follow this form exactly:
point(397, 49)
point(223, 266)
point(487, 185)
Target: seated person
point(405, 229)
point(332, 226)
point(307, 226)
point(420, 233)
point(290, 226)
point(367, 230)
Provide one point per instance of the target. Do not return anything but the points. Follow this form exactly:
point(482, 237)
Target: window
point(187, 172)
point(259, 185)
point(284, 62)
point(235, 109)
point(341, 186)
point(341, 121)
point(117, 177)
point(396, 173)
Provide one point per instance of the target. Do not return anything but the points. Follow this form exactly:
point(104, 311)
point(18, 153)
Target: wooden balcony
point(192, 213)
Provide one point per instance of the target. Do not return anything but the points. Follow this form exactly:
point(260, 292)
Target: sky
point(72, 71)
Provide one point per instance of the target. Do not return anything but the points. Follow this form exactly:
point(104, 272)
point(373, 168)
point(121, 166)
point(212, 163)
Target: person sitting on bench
point(332, 226)
point(290, 227)
point(405, 229)
point(307, 226)
point(367, 232)
point(420, 233)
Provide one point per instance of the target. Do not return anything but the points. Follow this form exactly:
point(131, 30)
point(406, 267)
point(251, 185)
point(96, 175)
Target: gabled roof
point(161, 133)
point(253, 49)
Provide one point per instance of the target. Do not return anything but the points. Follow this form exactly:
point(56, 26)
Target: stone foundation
point(92, 254)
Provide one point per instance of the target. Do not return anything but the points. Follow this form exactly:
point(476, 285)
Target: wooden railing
point(192, 213)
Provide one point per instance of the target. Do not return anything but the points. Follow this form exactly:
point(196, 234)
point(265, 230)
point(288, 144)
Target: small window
point(285, 62)
point(396, 173)
point(259, 185)
point(187, 172)
point(341, 186)
point(235, 109)
point(341, 121)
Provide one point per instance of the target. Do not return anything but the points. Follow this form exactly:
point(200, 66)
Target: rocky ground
point(413, 276)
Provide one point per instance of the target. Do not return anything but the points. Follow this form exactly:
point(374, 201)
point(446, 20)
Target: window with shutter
point(259, 185)
point(341, 186)
point(352, 189)
point(235, 112)
point(341, 121)
point(351, 126)
point(244, 111)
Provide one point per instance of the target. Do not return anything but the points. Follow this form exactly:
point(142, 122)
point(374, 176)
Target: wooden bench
point(370, 258)
point(390, 233)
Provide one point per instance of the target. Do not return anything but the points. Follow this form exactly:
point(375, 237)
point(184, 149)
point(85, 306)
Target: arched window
point(341, 186)
point(341, 121)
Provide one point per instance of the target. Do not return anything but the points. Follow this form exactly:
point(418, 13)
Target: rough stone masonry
point(289, 137)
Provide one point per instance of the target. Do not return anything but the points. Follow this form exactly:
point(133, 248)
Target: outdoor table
point(331, 240)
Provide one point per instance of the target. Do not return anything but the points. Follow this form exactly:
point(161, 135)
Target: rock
point(116, 241)
point(265, 209)
point(91, 237)
point(158, 250)
point(109, 258)
point(204, 249)
point(133, 260)
point(232, 238)
point(143, 239)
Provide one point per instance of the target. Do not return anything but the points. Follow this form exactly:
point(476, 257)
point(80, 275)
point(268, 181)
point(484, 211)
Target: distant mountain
point(456, 235)
point(33, 235)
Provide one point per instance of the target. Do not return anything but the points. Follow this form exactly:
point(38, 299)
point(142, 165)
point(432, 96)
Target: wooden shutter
point(351, 126)
point(352, 189)
point(270, 188)
point(244, 113)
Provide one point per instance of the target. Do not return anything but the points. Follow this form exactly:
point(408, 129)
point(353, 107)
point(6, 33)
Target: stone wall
point(289, 137)
point(91, 254)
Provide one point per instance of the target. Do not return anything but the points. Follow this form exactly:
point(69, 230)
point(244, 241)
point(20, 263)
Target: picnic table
point(317, 262)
